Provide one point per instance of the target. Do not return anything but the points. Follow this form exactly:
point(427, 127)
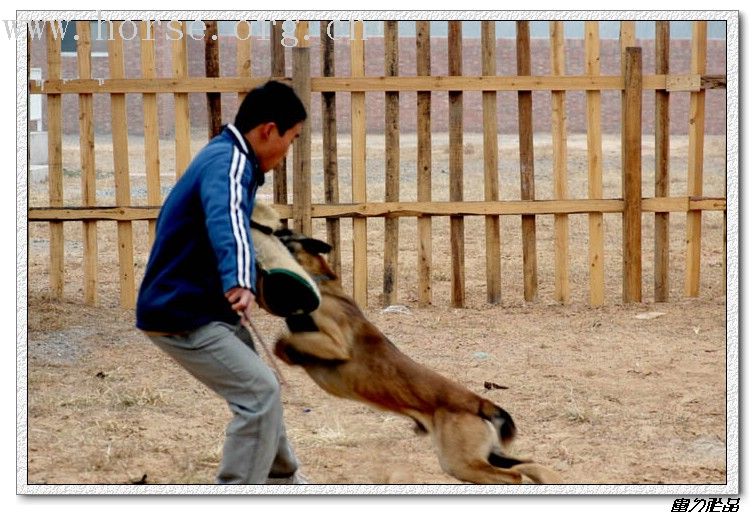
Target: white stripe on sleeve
point(233, 176)
point(242, 226)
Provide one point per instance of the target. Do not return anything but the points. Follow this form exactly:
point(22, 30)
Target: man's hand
point(241, 299)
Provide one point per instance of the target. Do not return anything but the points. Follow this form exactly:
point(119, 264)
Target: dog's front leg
point(302, 348)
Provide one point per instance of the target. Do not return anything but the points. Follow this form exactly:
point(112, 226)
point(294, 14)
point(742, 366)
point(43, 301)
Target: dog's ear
point(315, 247)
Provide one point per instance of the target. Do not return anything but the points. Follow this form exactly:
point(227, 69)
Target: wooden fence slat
point(456, 163)
point(121, 171)
point(278, 69)
point(662, 160)
point(424, 168)
point(86, 123)
point(151, 126)
point(560, 178)
point(302, 168)
point(392, 162)
point(594, 167)
point(490, 153)
point(181, 103)
point(243, 54)
point(631, 155)
point(277, 50)
point(695, 161)
point(330, 146)
point(212, 69)
point(359, 166)
point(55, 163)
point(626, 39)
point(86, 151)
point(526, 163)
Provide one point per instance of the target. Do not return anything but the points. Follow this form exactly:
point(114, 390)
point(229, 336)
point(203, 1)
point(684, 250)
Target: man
point(201, 276)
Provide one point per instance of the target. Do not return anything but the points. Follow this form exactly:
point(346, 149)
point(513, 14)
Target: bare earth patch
point(602, 396)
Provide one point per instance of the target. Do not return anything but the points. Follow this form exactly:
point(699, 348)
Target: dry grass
point(598, 394)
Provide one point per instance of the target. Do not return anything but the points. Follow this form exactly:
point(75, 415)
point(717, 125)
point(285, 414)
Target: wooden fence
point(631, 205)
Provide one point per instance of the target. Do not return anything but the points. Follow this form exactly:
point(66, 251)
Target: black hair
point(272, 102)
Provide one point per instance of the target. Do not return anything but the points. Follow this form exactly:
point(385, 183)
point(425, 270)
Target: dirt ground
point(619, 394)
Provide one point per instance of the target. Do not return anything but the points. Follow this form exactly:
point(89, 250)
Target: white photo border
point(731, 487)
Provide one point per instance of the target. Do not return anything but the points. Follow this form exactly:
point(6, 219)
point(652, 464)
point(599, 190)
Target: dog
point(349, 357)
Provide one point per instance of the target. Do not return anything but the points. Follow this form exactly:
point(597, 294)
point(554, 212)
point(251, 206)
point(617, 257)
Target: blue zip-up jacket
point(203, 246)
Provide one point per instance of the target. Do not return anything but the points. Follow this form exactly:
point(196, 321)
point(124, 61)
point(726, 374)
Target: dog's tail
point(500, 418)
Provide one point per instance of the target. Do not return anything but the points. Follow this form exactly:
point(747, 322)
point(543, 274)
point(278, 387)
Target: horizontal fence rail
point(380, 84)
point(409, 209)
point(298, 206)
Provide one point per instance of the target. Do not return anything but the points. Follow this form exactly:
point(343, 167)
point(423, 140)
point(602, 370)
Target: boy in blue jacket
point(201, 274)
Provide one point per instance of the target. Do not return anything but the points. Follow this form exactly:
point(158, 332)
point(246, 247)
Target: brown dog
point(349, 357)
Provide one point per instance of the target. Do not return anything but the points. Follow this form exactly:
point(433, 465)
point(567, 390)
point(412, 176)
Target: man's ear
point(269, 129)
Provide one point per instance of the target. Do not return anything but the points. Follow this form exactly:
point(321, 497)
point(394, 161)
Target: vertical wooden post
point(278, 71)
point(594, 166)
point(424, 168)
point(560, 178)
point(151, 125)
point(55, 163)
point(121, 170)
point(212, 69)
point(490, 152)
point(631, 157)
point(86, 151)
point(302, 169)
point(244, 54)
point(626, 39)
point(695, 159)
point(662, 159)
point(392, 156)
point(181, 102)
point(456, 163)
point(277, 50)
point(359, 167)
point(526, 162)
point(330, 146)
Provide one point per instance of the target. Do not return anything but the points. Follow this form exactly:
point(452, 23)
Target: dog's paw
point(538, 474)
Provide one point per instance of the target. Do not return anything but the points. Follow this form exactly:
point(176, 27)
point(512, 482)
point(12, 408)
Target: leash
point(254, 333)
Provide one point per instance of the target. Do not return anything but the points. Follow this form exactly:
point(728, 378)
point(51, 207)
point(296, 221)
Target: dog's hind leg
point(463, 443)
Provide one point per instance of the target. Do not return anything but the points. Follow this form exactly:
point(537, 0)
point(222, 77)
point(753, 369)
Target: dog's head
point(308, 252)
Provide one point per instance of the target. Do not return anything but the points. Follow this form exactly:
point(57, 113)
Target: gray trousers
point(222, 356)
